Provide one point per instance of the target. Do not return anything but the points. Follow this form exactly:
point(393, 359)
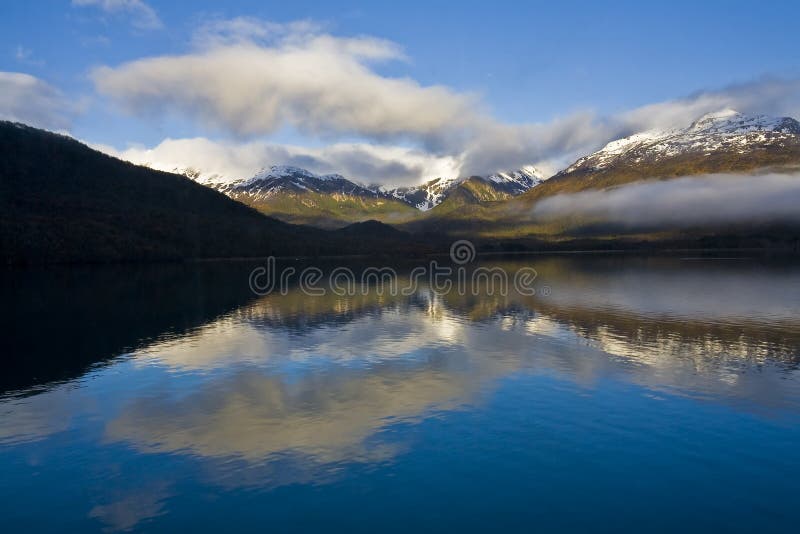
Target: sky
point(386, 92)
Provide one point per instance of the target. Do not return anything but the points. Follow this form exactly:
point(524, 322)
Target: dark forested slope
point(63, 201)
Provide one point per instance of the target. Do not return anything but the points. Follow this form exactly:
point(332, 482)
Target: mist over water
point(676, 377)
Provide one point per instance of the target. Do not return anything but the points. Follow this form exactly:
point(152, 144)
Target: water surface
point(657, 394)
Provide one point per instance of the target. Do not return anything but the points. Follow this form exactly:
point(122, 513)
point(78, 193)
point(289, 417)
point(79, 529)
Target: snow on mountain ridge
point(300, 177)
point(288, 171)
point(732, 122)
point(518, 181)
point(271, 180)
point(424, 196)
point(711, 132)
point(430, 194)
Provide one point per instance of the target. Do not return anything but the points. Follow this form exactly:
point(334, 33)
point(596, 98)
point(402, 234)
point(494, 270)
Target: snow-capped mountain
point(271, 181)
point(434, 192)
point(300, 196)
point(518, 181)
point(726, 130)
point(424, 196)
point(723, 142)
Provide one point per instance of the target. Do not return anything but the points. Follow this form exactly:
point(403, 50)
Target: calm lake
point(655, 394)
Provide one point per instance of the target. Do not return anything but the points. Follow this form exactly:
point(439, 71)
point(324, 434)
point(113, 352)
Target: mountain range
point(433, 192)
point(724, 141)
point(63, 201)
point(297, 195)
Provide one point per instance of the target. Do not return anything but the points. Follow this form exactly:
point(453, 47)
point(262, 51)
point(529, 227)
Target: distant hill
point(61, 201)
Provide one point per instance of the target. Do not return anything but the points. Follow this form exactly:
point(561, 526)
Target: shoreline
point(750, 251)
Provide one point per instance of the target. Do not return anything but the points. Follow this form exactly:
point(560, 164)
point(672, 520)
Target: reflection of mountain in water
point(313, 381)
point(718, 311)
point(60, 321)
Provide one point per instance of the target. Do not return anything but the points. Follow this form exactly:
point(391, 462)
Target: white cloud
point(549, 146)
point(25, 98)
point(684, 202)
point(320, 85)
point(217, 31)
point(558, 143)
point(770, 96)
point(362, 162)
point(142, 15)
point(251, 78)
point(493, 146)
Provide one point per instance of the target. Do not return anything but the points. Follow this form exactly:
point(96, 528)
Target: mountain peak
point(517, 181)
point(433, 192)
point(722, 114)
point(731, 122)
point(726, 129)
point(291, 172)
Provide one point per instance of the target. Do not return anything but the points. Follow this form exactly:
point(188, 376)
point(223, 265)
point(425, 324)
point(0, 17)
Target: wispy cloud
point(25, 98)
point(254, 80)
point(215, 32)
point(557, 143)
point(683, 202)
point(142, 16)
point(367, 163)
point(26, 56)
point(770, 96)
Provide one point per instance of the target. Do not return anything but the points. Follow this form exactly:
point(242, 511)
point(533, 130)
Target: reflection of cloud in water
point(306, 383)
point(252, 416)
point(346, 385)
point(350, 382)
point(246, 338)
point(130, 509)
point(704, 291)
point(30, 418)
point(738, 370)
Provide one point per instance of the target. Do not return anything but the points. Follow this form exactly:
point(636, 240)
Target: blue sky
point(520, 63)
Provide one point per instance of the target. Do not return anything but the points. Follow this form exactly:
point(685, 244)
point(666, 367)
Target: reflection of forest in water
point(711, 314)
point(184, 361)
